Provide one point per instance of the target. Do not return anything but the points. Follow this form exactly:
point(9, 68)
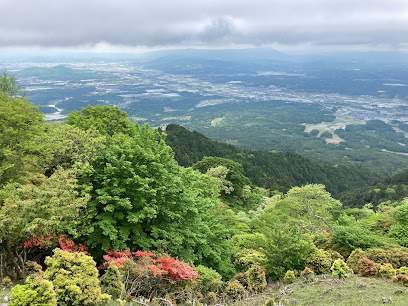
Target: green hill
point(276, 170)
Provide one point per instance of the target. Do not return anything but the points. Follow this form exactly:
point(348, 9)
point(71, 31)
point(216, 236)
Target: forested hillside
point(274, 170)
point(95, 210)
point(389, 191)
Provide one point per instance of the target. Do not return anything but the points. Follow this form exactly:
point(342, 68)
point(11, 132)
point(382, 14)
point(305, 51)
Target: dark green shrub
point(367, 267)
point(256, 279)
point(340, 269)
point(75, 278)
point(289, 277)
point(354, 258)
point(111, 282)
point(319, 261)
point(36, 291)
point(235, 290)
point(386, 270)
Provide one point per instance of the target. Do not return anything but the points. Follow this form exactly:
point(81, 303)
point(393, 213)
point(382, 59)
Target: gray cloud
point(209, 23)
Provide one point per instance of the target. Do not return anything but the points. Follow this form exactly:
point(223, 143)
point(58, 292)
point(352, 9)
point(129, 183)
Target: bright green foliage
point(311, 204)
point(241, 194)
point(354, 258)
point(256, 279)
point(72, 147)
point(402, 270)
point(106, 119)
point(367, 267)
point(319, 261)
point(248, 257)
point(8, 85)
point(22, 295)
point(235, 290)
point(21, 142)
point(111, 282)
point(399, 230)
point(386, 270)
point(340, 269)
point(36, 291)
point(287, 250)
point(51, 204)
point(142, 200)
point(255, 241)
point(289, 277)
point(220, 172)
point(209, 279)
point(75, 278)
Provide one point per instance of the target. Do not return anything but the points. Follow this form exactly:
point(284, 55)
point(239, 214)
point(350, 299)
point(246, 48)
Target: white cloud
point(180, 23)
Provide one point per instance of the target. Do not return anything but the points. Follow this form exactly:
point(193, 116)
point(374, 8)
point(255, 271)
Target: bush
point(242, 278)
point(386, 270)
point(354, 258)
point(248, 257)
point(340, 269)
point(335, 255)
point(75, 278)
point(148, 275)
point(36, 291)
point(111, 282)
point(289, 277)
point(399, 257)
point(402, 270)
point(6, 282)
point(211, 298)
point(256, 279)
point(209, 279)
point(319, 261)
point(379, 256)
point(307, 273)
point(367, 267)
point(401, 279)
point(235, 290)
point(31, 267)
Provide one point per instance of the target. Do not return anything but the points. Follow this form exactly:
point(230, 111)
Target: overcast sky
point(155, 24)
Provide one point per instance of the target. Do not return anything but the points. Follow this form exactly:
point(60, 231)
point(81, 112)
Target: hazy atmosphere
point(121, 24)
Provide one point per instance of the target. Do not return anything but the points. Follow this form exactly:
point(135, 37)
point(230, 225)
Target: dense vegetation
point(275, 170)
point(101, 191)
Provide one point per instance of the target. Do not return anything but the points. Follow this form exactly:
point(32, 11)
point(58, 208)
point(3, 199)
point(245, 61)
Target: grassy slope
point(329, 292)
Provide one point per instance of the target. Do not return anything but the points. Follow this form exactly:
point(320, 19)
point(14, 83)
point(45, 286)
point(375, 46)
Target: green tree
point(51, 205)
point(21, 130)
point(106, 119)
point(142, 200)
point(311, 204)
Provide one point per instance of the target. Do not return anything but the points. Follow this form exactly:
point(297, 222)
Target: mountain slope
point(280, 170)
